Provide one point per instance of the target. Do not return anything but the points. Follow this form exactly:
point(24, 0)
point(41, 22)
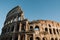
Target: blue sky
point(33, 9)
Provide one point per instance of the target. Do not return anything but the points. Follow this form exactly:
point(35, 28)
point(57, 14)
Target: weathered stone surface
point(16, 27)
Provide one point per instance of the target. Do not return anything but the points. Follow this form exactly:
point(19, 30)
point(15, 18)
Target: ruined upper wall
point(46, 22)
point(15, 10)
point(15, 14)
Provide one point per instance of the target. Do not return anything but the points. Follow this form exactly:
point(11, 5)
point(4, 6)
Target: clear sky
point(33, 9)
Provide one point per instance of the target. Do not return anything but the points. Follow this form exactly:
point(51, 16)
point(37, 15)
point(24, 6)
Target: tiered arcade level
point(16, 27)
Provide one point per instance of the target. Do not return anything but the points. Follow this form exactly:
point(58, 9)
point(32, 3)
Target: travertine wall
point(47, 29)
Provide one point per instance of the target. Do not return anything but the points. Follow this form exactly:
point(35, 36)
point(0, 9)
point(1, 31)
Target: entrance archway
point(31, 38)
point(37, 38)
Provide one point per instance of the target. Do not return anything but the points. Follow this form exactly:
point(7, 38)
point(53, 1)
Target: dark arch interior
point(31, 28)
point(37, 38)
point(56, 39)
point(36, 27)
point(46, 29)
point(12, 28)
point(52, 39)
point(49, 25)
point(44, 38)
point(31, 38)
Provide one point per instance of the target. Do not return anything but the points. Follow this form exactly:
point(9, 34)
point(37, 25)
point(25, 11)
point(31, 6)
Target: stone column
point(7, 29)
point(26, 26)
point(14, 29)
point(15, 25)
point(25, 36)
point(20, 27)
point(10, 29)
point(12, 37)
point(16, 18)
point(33, 36)
point(18, 36)
point(21, 16)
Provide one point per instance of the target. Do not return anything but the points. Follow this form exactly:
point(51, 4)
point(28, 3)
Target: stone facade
point(16, 27)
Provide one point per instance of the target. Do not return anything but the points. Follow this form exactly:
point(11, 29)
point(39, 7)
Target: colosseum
point(16, 27)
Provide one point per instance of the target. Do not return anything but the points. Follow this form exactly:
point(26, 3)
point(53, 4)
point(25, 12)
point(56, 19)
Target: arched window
point(31, 28)
point(17, 27)
point(31, 38)
point(46, 29)
point(12, 28)
point(52, 39)
point(56, 39)
point(22, 37)
point(36, 27)
point(57, 31)
point(49, 25)
point(54, 31)
point(23, 27)
point(50, 31)
point(19, 19)
point(44, 38)
point(37, 38)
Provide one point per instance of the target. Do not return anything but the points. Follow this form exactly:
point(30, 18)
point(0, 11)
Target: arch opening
point(36, 27)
